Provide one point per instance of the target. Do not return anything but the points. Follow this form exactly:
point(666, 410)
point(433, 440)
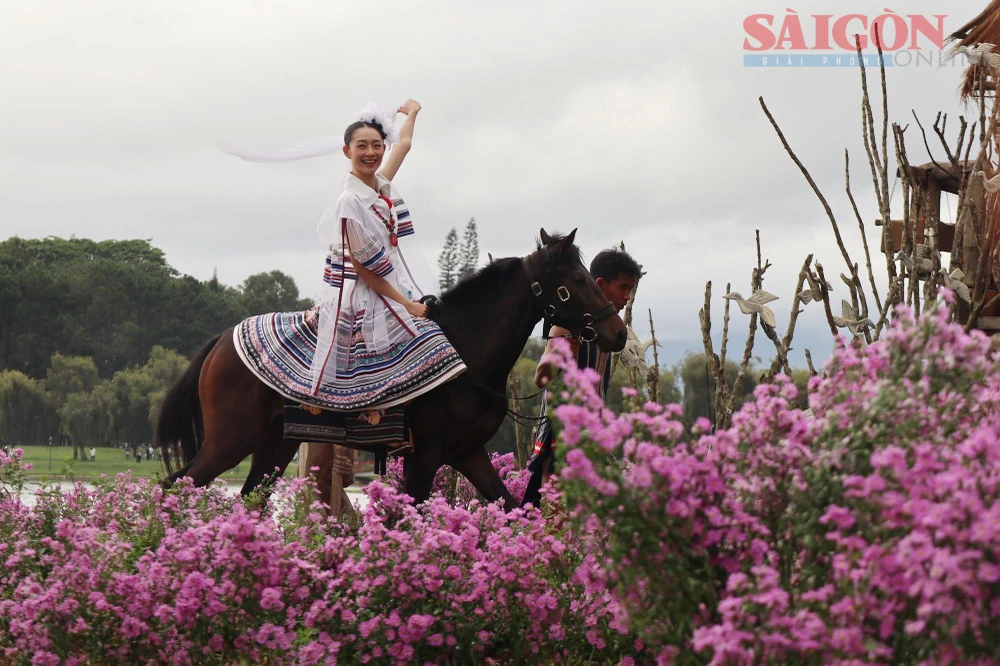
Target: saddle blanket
point(376, 432)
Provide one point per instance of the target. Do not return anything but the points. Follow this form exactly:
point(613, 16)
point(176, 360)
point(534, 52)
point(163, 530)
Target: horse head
point(568, 294)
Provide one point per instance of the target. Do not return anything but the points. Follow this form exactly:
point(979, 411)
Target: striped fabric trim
point(404, 224)
point(382, 267)
point(372, 255)
point(378, 260)
point(279, 349)
point(337, 270)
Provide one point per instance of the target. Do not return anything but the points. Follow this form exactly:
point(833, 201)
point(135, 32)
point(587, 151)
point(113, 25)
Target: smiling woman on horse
point(375, 348)
point(369, 344)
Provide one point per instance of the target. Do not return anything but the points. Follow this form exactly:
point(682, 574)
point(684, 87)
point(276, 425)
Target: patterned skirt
point(279, 348)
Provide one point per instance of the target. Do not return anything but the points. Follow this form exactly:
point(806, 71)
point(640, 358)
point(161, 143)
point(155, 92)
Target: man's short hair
point(614, 263)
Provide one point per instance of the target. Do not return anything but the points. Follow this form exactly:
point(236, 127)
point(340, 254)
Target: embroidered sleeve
point(366, 247)
point(337, 270)
point(404, 223)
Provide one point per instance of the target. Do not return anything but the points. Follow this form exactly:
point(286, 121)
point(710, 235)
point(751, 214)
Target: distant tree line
point(92, 334)
point(72, 403)
point(113, 301)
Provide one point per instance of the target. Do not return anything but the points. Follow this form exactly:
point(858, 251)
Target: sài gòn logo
point(828, 40)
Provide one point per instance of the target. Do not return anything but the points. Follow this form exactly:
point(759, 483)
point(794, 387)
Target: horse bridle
point(583, 328)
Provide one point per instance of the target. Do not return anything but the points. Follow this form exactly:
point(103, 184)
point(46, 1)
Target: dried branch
point(756, 282)
point(927, 145)
point(705, 317)
point(885, 118)
point(868, 130)
point(653, 376)
point(909, 219)
point(895, 289)
point(940, 131)
point(821, 279)
point(781, 360)
point(809, 363)
point(879, 175)
point(717, 369)
point(725, 327)
point(861, 226)
point(812, 183)
point(730, 405)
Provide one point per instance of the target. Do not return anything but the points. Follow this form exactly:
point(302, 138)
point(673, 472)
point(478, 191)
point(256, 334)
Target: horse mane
point(469, 289)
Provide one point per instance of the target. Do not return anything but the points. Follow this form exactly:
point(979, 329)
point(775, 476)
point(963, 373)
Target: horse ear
point(567, 241)
point(546, 239)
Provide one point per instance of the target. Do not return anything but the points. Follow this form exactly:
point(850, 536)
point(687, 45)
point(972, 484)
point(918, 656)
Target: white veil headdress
point(276, 152)
point(263, 150)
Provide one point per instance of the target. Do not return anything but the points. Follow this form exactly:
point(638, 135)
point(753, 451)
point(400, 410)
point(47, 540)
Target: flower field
point(869, 533)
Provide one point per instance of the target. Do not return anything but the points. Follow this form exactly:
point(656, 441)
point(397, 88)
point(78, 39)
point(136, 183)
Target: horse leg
point(172, 479)
point(276, 453)
point(238, 414)
point(419, 470)
point(478, 469)
point(214, 460)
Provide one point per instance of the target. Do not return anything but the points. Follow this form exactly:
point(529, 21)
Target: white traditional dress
point(370, 353)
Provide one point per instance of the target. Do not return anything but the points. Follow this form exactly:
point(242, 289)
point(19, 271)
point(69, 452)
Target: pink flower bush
point(128, 573)
point(864, 535)
point(867, 534)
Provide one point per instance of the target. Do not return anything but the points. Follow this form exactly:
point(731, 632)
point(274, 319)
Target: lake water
point(28, 493)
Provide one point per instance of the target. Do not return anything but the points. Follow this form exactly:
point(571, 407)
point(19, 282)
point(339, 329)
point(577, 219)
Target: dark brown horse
point(219, 412)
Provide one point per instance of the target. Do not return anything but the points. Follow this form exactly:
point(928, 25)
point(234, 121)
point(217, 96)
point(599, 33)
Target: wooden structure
point(930, 181)
point(981, 80)
point(933, 179)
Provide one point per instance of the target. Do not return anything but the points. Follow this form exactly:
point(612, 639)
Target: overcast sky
point(632, 121)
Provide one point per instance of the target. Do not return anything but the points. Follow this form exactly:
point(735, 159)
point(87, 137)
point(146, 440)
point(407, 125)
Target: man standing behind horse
point(616, 273)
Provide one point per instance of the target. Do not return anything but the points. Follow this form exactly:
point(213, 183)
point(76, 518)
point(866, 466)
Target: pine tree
point(448, 261)
point(469, 258)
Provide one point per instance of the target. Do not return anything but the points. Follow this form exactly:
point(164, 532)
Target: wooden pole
point(329, 481)
point(653, 377)
point(336, 486)
point(520, 441)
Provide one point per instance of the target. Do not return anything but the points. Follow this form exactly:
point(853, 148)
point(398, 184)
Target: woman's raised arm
point(398, 152)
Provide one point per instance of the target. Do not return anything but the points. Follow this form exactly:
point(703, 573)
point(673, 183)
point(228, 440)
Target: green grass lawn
point(107, 461)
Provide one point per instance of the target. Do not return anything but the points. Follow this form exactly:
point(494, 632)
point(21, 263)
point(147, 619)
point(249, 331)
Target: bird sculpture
point(955, 282)
point(991, 184)
point(814, 292)
point(981, 54)
point(633, 355)
point(851, 321)
point(755, 305)
point(922, 259)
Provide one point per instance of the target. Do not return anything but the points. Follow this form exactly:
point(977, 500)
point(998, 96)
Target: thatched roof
point(984, 29)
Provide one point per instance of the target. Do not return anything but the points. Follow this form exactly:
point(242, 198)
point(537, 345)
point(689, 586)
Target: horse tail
point(180, 414)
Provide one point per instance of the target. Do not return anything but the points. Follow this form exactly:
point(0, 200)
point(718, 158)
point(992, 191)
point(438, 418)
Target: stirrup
point(400, 450)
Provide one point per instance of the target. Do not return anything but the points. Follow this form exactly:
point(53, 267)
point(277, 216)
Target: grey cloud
point(633, 121)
